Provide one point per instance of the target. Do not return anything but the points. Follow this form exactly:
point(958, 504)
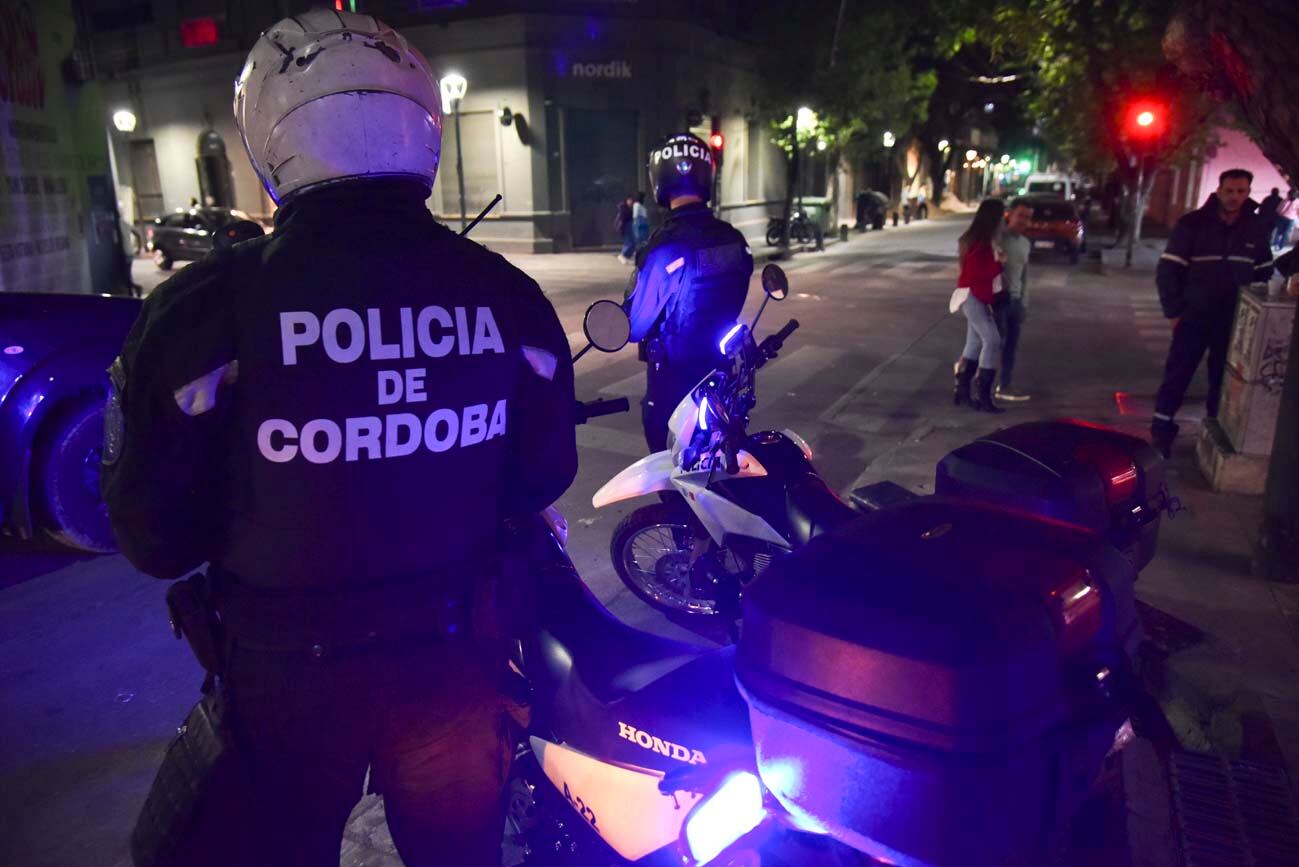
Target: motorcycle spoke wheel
point(658, 560)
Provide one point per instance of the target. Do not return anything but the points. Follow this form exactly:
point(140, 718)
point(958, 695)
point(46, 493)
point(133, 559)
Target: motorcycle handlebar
point(584, 412)
point(771, 345)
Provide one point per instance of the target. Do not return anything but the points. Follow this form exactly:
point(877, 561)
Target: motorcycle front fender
point(648, 475)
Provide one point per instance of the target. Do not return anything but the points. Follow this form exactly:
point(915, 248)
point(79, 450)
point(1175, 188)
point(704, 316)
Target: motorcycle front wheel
point(773, 234)
point(653, 553)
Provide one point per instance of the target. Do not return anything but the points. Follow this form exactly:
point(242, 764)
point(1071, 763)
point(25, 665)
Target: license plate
point(1044, 245)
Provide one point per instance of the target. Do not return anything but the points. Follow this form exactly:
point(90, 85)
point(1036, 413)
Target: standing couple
point(992, 293)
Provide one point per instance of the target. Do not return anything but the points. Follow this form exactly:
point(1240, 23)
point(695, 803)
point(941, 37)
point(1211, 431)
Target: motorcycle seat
point(811, 508)
point(611, 659)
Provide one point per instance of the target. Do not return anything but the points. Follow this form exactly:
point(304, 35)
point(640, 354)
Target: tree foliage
point(1089, 59)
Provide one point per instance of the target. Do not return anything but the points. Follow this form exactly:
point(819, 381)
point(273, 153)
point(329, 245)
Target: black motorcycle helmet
point(681, 166)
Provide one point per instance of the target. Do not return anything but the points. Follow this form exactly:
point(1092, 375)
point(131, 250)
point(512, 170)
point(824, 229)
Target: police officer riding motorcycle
point(337, 417)
point(690, 282)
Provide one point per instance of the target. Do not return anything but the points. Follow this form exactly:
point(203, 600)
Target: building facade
point(58, 225)
point(1185, 187)
point(564, 101)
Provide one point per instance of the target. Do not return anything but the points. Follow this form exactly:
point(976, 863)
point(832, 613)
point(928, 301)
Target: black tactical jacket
point(1207, 261)
point(358, 397)
point(690, 286)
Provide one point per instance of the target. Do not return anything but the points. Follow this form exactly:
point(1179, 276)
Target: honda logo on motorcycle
point(647, 741)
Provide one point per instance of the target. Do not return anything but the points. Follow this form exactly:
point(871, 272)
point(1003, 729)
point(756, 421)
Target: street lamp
point(454, 86)
point(971, 155)
point(889, 140)
point(124, 120)
point(944, 145)
point(805, 121)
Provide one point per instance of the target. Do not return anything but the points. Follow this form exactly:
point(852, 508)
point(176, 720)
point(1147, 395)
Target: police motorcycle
point(932, 682)
point(637, 748)
point(748, 499)
point(745, 498)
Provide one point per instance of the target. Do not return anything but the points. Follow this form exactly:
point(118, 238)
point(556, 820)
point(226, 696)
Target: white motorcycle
point(744, 498)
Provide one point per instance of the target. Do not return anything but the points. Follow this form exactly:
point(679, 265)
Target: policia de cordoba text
point(346, 337)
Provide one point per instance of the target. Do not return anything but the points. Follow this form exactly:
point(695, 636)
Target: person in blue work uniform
point(338, 418)
point(690, 282)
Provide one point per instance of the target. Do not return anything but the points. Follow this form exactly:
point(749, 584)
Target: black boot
point(964, 376)
point(983, 401)
point(1162, 434)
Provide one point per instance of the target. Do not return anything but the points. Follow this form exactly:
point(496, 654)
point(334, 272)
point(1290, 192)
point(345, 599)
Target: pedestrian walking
point(356, 610)
point(1211, 253)
point(1012, 313)
point(1286, 213)
point(639, 220)
point(622, 224)
point(1267, 209)
point(975, 289)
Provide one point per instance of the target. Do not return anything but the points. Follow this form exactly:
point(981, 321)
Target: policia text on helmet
point(336, 417)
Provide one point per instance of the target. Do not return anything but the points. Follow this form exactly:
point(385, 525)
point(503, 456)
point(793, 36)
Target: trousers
point(982, 340)
point(1010, 322)
point(1194, 334)
point(665, 385)
point(422, 715)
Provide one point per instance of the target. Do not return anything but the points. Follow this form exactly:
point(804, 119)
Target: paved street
point(94, 684)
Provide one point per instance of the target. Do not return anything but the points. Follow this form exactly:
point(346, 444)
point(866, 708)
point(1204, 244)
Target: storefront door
point(602, 168)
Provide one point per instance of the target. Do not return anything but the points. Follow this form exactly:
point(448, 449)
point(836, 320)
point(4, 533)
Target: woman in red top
point(980, 267)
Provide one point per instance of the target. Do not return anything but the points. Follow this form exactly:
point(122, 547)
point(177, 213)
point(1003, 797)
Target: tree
point(1244, 53)
point(868, 88)
point(1091, 59)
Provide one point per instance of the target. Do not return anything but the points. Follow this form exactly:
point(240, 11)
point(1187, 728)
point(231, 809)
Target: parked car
point(1053, 185)
point(1057, 225)
point(54, 353)
point(186, 234)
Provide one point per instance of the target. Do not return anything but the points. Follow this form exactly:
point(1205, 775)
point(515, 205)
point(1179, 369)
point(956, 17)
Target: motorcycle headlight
point(724, 817)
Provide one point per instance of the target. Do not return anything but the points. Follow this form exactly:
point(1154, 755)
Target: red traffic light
point(1145, 121)
point(716, 141)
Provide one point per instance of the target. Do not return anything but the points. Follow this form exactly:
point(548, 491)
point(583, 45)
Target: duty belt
point(326, 621)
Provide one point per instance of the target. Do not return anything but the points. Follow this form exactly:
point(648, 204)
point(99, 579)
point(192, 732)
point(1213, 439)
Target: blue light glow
point(727, 339)
point(732, 811)
point(703, 414)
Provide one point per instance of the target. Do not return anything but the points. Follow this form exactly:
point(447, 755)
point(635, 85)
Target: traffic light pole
point(1136, 209)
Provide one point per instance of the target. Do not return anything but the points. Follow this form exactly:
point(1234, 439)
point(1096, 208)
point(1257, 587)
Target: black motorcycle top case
point(908, 687)
point(1071, 470)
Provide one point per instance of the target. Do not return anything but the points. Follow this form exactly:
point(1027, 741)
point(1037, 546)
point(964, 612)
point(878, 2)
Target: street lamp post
point(889, 141)
point(453, 87)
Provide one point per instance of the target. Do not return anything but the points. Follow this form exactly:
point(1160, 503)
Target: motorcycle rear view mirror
point(774, 282)
point(776, 285)
point(606, 326)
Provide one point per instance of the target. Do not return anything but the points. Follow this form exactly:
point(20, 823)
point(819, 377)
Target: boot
point(964, 375)
point(983, 401)
point(1162, 434)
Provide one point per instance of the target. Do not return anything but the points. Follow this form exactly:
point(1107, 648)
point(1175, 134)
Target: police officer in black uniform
point(1211, 253)
point(690, 282)
point(337, 417)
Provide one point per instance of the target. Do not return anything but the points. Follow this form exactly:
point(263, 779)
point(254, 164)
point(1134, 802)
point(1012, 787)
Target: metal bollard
point(843, 231)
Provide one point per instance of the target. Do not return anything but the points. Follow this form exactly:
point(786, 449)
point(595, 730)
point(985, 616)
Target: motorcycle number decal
point(578, 804)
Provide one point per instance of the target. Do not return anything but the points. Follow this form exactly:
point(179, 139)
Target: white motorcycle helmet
point(327, 96)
